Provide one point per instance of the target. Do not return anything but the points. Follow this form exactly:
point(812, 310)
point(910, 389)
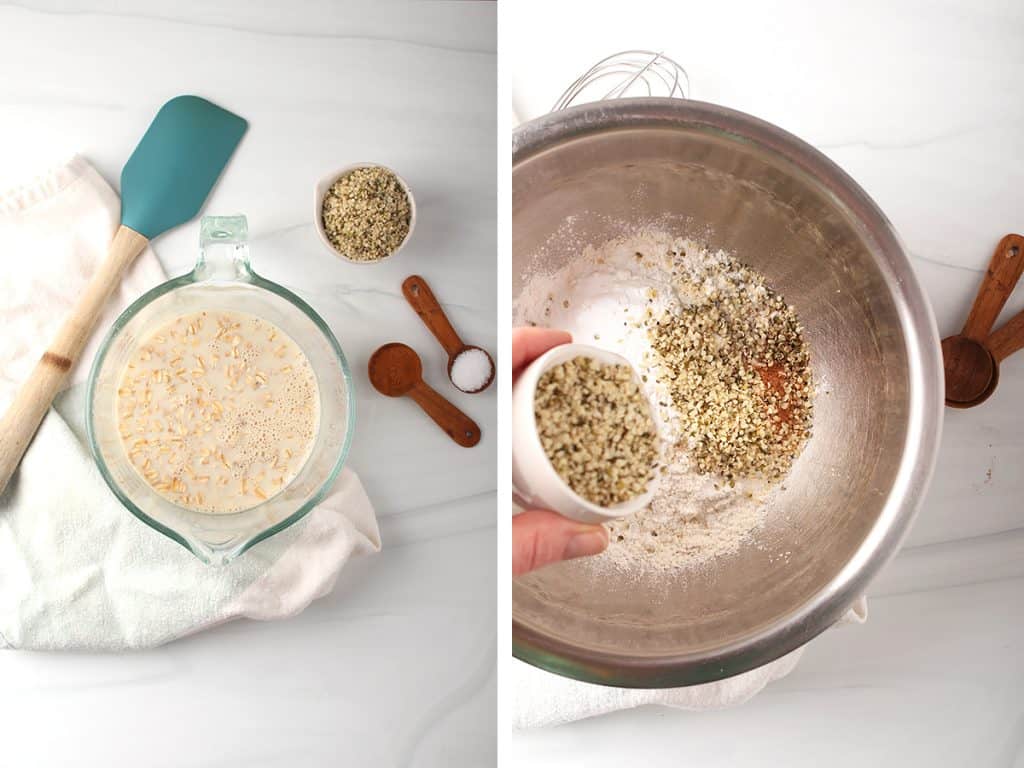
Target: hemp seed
point(596, 428)
point(738, 371)
point(366, 214)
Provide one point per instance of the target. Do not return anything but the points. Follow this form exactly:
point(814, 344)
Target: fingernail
point(591, 542)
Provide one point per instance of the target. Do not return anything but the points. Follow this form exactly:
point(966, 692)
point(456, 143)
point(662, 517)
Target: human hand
point(540, 536)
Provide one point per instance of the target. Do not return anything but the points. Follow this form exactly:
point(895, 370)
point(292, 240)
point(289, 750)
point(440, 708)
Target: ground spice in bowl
point(596, 428)
point(366, 214)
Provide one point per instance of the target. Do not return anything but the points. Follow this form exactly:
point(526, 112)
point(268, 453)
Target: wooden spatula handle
point(458, 426)
point(22, 418)
point(422, 299)
point(1008, 339)
point(1002, 275)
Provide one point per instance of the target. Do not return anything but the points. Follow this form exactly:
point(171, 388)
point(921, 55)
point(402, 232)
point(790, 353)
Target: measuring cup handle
point(1002, 275)
point(421, 298)
point(457, 425)
point(1008, 339)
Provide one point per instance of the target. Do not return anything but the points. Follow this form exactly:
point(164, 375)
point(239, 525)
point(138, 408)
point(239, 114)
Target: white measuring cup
point(535, 483)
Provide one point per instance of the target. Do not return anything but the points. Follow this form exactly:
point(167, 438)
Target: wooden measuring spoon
point(971, 368)
point(395, 370)
point(421, 298)
point(1003, 343)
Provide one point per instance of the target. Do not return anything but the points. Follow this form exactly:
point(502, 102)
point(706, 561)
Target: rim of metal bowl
point(920, 447)
point(123, 319)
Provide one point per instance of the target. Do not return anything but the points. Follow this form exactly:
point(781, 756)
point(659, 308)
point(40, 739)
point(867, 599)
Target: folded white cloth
point(540, 698)
point(77, 570)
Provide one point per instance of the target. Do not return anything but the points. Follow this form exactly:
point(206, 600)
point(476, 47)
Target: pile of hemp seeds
point(595, 426)
point(738, 373)
point(366, 214)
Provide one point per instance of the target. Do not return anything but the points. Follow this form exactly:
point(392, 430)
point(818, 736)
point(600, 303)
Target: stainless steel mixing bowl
point(741, 184)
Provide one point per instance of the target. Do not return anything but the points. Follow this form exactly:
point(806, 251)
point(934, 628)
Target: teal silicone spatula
point(164, 183)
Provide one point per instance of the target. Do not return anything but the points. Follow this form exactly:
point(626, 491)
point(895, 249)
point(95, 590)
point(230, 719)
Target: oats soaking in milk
point(218, 411)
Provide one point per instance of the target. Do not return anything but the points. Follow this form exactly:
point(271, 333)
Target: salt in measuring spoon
point(470, 368)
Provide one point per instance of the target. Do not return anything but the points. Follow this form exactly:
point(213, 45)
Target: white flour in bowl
point(604, 297)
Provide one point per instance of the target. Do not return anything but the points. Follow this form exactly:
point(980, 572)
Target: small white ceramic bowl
point(534, 480)
point(318, 201)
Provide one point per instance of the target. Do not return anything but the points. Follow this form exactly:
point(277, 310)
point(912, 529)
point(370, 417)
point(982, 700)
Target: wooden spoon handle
point(1008, 339)
point(419, 295)
point(459, 427)
point(22, 418)
point(1003, 273)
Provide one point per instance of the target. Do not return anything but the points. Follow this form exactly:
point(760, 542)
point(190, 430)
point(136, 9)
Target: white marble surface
point(396, 666)
point(921, 103)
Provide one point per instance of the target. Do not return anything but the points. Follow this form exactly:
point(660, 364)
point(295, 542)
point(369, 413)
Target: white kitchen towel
point(540, 698)
point(77, 571)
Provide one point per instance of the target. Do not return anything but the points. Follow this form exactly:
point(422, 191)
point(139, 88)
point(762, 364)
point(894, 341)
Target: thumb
point(540, 537)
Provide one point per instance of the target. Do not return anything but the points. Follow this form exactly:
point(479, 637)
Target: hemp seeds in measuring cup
point(364, 213)
point(595, 426)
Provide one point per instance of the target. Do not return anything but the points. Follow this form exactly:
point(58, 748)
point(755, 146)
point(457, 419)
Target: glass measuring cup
point(222, 280)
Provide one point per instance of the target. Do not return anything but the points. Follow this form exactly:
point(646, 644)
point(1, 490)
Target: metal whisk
point(635, 73)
